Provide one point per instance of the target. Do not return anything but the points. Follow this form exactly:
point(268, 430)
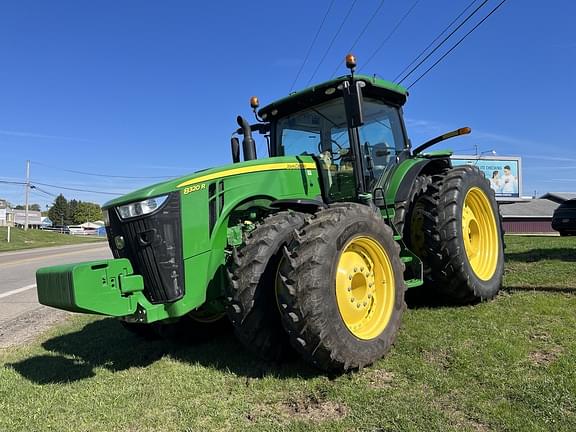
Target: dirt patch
point(545, 356)
point(540, 335)
point(378, 378)
point(27, 326)
point(546, 351)
point(463, 421)
point(441, 358)
point(310, 408)
point(460, 418)
point(258, 411)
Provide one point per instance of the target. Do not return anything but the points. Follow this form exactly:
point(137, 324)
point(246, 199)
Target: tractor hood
point(180, 183)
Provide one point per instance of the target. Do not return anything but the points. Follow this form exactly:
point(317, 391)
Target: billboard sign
point(503, 172)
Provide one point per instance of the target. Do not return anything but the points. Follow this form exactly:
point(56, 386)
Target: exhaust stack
point(248, 144)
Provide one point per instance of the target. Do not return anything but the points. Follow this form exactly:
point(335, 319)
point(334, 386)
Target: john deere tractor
point(308, 249)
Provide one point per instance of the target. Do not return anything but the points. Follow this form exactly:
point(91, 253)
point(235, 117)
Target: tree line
point(73, 212)
point(33, 207)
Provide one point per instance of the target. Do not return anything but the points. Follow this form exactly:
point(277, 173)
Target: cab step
point(406, 259)
point(413, 283)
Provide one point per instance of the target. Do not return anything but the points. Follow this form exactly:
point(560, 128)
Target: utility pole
point(27, 187)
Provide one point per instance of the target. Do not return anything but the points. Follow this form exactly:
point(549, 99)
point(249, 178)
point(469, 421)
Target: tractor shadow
point(426, 297)
point(106, 344)
point(542, 289)
point(536, 255)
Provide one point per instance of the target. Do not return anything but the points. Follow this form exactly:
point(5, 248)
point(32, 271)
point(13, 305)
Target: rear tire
point(464, 247)
point(408, 218)
point(343, 289)
point(253, 272)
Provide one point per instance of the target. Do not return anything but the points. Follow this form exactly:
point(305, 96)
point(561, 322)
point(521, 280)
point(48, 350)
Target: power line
point(98, 175)
point(332, 42)
point(457, 43)
point(77, 190)
point(43, 191)
point(470, 15)
point(387, 38)
point(311, 45)
point(436, 39)
point(13, 182)
point(40, 195)
point(361, 34)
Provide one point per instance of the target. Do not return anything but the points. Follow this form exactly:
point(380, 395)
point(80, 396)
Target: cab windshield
point(322, 131)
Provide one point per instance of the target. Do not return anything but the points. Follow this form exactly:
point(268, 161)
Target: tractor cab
point(352, 126)
point(322, 131)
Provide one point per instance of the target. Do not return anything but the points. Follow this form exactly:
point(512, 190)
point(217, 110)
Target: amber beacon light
point(351, 61)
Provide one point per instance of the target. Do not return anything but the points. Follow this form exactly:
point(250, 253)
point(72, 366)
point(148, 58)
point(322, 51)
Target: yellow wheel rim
point(365, 287)
point(417, 229)
point(480, 234)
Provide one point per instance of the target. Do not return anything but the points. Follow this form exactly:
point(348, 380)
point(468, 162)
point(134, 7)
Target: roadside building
point(3, 212)
point(533, 216)
point(19, 218)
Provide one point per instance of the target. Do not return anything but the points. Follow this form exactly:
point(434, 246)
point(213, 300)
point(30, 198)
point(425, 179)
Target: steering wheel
point(336, 155)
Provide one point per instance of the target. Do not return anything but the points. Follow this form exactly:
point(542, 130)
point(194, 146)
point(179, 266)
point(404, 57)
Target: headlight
point(140, 208)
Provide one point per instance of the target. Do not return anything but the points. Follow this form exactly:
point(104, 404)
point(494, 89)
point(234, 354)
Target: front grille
point(153, 244)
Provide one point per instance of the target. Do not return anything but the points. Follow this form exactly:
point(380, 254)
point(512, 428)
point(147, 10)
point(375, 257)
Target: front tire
point(343, 289)
point(463, 236)
point(253, 275)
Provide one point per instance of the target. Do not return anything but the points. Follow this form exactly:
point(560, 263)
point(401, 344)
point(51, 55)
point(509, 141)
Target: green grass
point(508, 364)
point(20, 239)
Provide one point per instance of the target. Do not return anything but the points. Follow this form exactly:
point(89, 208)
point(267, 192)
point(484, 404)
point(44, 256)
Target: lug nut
point(358, 305)
point(355, 269)
point(350, 288)
point(350, 277)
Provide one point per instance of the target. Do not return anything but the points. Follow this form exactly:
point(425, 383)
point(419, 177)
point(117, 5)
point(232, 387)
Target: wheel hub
point(365, 288)
point(417, 230)
point(480, 234)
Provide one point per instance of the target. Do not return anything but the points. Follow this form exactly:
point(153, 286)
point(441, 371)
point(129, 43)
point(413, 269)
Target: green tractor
point(309, 249)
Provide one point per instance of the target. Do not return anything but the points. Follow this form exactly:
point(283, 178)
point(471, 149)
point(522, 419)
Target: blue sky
point(152, 89)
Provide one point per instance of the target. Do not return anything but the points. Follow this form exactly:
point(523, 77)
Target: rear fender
point(402, 178)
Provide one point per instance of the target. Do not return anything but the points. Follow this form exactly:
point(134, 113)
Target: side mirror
point(353, 102)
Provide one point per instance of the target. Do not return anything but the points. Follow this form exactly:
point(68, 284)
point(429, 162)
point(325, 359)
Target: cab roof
point(392, 93)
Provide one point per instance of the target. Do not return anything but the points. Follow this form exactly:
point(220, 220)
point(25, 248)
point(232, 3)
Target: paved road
point(21, 316)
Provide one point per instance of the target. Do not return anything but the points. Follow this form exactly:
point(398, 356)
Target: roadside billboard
point(503, 172)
